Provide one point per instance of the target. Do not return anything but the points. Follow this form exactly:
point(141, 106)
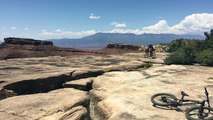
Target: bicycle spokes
point(197, 114)
point(165, 99)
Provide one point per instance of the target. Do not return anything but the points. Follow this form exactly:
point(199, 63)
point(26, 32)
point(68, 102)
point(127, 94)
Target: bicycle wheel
point(192, 113)
point(163, 99)
point(153, 55)
point(146, 55)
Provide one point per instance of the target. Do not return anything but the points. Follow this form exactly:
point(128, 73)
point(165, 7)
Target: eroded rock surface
point(126, 95)
point(25, 41)
point(60, 104)
point(122, 88)
point(81, 84)
point(75, 67)
point(4, 93)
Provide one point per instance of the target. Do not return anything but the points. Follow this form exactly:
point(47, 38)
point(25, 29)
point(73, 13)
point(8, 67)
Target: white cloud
point(195, 23)
point(58, 30)
point(94, 17)
point(118, 25)
point(119, 30)
point(13, 28)
point(191, 24)
point(26, 28)
point(160, 27)
point(69, 34)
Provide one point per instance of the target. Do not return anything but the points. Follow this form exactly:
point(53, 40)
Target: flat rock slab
point(61, 104)
point(57, 104)
point(126, 95)
point(81, 84)
point(15, 70)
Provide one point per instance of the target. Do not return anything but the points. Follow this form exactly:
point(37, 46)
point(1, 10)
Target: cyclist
point(150, 49)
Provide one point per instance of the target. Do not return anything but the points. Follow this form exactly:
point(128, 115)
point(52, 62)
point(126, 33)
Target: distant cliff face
point(123, 46)
point(24, 48)
point(25, 41)
point(140, 48)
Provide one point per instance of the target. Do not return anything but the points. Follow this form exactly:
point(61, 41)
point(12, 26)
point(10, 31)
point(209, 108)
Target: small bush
point(205, 57)
point(184, 44)
point(178, 57)
point(148, 65)
point(185, 51)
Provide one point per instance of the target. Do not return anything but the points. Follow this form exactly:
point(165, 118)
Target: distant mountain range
point(100, 40)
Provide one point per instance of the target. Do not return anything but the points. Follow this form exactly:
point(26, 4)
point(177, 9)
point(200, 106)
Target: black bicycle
point(198, 112)
point(169, 100)
point(201, 112)
point(150, 54)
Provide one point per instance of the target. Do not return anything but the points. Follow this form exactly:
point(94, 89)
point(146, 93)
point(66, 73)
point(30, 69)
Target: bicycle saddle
point(184, 94)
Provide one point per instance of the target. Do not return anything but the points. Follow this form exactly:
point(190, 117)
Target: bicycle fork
point(201, 113)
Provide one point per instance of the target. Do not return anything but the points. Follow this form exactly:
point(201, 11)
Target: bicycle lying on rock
point(199, 111)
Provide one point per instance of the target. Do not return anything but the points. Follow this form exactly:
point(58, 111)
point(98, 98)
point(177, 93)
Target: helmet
point(150, 45)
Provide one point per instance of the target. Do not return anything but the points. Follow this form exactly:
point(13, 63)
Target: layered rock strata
point(25, 41)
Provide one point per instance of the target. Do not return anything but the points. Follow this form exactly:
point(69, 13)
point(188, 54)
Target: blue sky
point(45, 19)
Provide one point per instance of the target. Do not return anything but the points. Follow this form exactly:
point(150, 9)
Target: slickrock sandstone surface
point(55, 88)
point(72, 67)
point(55, 105)
point(82, 84)
point(36, 75)
point(126, 95)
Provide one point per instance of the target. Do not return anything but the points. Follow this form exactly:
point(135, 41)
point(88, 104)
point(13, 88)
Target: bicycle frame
point(201, 110)
point(181, 101)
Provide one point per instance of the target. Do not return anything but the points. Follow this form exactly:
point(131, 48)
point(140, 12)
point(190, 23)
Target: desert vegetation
point(187, 51)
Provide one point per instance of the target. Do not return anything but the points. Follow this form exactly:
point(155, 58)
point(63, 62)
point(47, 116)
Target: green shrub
point(184, 44)
point(186, 51)
point(205, 57)
point(178, 57)
point(148, 65)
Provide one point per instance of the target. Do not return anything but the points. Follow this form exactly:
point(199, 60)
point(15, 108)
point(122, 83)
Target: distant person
point(150, 52)
point(151, 49)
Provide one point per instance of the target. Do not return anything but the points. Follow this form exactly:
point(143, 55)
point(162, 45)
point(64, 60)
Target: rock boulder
point(67, 103)
point(25, 41)
point(123, 46)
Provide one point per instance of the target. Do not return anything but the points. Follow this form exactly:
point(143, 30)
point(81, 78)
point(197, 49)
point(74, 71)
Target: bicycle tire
point(169, 103)
point(153, 55)
point(188, 116)
point(146, 55)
